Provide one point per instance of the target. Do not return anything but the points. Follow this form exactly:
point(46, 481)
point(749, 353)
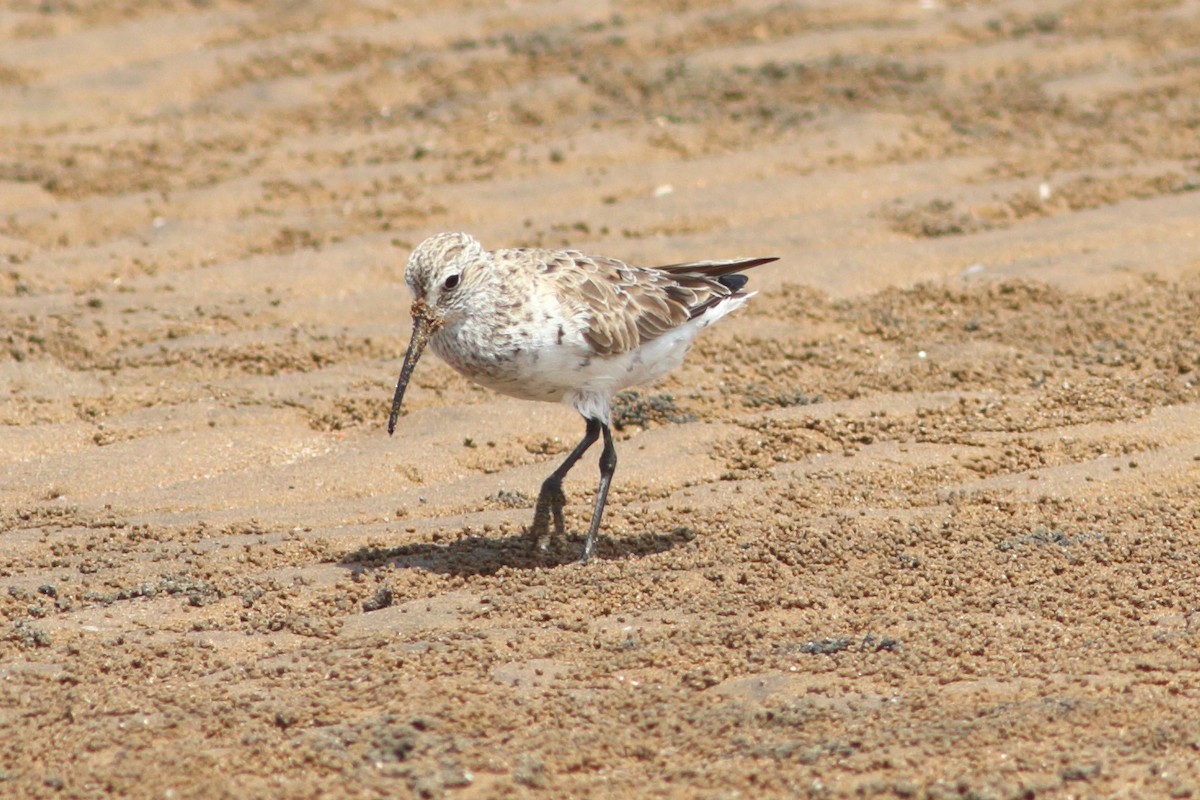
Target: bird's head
point(439, 268)
point(437, 273)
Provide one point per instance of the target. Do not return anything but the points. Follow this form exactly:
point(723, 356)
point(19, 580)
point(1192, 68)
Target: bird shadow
point(486, 555)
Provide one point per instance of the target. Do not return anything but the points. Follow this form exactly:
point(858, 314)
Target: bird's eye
point(451, 282)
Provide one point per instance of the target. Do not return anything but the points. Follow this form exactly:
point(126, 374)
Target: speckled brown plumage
point(628, 306)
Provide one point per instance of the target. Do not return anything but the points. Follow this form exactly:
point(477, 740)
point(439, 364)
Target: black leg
point(551, 499)
point(608, 465)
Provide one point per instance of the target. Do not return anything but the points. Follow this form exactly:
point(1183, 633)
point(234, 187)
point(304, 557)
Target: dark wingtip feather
point(715, 269)
point(758, 262)
point(733, 283)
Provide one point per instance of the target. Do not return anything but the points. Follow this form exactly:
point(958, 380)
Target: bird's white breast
point(545, 357)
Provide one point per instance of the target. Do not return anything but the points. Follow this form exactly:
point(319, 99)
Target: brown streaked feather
point(627, 306)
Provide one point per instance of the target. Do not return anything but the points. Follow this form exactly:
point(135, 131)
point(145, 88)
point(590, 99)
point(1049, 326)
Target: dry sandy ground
point(919, 521)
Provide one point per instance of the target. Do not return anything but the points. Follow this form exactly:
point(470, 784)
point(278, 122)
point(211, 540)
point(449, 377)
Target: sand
point(920, 521)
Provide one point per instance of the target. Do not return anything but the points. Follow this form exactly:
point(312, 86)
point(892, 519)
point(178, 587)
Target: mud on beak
point(425, 324)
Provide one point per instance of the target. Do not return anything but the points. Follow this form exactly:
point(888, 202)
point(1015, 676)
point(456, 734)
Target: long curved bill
point(425, 324)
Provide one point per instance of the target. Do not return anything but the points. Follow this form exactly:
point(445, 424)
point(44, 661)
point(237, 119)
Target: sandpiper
point(561, 326)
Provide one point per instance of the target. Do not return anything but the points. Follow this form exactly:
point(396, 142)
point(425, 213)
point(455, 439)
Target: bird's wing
point(625, 307)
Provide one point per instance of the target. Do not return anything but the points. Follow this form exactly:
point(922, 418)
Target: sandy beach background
point(920, 521)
